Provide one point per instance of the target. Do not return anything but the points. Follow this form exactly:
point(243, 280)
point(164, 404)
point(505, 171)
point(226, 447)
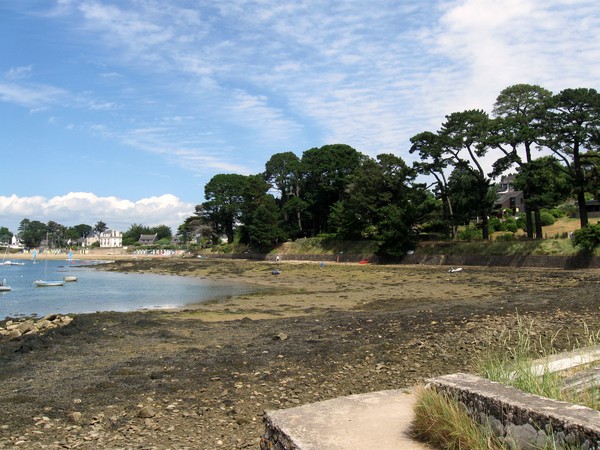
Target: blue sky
point(122, 111)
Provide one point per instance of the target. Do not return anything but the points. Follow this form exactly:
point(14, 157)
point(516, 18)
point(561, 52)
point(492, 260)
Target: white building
point(111, 239)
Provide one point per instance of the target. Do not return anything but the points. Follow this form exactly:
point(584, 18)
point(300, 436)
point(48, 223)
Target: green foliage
point(494, 224)
point(588, 238)
point(5, 235)
point(557, 212)
point(547, 218)
point(224, 195)
point(264, 229)
point(470, 233)
point(506, 237)
point(509, 224)
point(32, 232)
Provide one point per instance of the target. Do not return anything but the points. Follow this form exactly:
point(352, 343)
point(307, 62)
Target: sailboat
point(4, 287)
point(47, 283)
point(6, 262)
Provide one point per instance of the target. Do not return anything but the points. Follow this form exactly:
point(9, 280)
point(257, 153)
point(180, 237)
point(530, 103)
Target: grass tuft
point(443, 422)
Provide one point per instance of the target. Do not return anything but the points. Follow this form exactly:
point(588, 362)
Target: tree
point(254, 196)
point(548, 183)
point(434, 162)
point(590, 162)
point(572, 128)
point(265, 229)
point(82, 230)
point(56, 234)
point(468, 197)
point(132, 235)
point(100, 228)
point(465, 137)
point(32, 232)
point(5, 235)
point(162, 232)
point(519, 110)
point(223, 205)
point(327, 173)
point(284, 172)
point(382, 202)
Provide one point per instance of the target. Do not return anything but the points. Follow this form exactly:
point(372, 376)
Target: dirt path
point(202, 377)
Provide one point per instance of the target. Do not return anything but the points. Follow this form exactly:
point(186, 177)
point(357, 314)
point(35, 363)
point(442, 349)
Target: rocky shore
point(201, 377)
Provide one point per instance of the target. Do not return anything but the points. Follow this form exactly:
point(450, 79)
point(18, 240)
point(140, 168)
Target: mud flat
point(201, 377)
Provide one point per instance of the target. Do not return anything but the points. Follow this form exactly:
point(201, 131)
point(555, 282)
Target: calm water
point(97, 290)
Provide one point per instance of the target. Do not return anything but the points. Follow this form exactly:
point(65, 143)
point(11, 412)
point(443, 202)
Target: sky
point(121, 111)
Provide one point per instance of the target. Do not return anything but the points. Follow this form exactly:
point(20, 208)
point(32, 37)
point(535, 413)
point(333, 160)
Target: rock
point(26, 326)
point(75, 417)
point(146, 412)
point(280, 336)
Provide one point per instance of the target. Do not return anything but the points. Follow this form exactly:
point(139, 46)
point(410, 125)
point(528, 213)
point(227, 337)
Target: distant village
point(106, 239)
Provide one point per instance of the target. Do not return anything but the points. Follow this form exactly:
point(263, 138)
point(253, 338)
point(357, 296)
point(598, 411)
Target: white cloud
point(84, 207)
point(17, 73)
point(37, 96)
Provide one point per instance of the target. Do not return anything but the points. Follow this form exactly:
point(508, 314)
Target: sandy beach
point(202, 376)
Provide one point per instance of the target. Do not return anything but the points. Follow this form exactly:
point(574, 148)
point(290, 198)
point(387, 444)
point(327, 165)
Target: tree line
point(33, 232)
point(549, 141)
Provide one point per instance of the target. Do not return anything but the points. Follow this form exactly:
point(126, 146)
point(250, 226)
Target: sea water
point(99, 290)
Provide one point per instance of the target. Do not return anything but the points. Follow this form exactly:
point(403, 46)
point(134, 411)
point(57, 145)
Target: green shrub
point(470, 233)
point(506, 237)
point(547, 218)
point(588, 238)
point(510, 225)
point(557, 212)
point(494, 224)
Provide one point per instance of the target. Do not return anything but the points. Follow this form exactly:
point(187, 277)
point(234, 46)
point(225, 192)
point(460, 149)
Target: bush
point(557, 212)
point(509, 225)
point(494, 224)
point(547, 218)
point(470, 233)
point(506, 237)
point(588, 238)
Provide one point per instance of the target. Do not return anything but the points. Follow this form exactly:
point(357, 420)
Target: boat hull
point(42, 283)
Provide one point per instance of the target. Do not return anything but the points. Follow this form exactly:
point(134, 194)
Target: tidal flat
point(202, 376)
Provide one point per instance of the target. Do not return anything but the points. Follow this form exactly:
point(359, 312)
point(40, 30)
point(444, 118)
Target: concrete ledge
point(522, 420)
point(378, 420)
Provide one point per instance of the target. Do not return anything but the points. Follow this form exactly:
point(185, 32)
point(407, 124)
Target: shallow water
point(98, 290)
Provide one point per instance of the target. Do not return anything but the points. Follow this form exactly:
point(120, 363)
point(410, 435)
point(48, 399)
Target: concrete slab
point(566, 360)
point(378, 420)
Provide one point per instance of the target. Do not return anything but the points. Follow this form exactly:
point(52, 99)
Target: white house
point(111, 239)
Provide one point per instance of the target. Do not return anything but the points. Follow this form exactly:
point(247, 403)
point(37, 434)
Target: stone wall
point(523, 421)
point(559, 262)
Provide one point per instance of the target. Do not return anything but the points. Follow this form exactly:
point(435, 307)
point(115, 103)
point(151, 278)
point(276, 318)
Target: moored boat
point(70, 278)
point(4, 287)
point(11, 263)
point(44, 283)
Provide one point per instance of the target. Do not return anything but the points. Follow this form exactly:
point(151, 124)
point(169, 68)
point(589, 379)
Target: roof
point(147, 238)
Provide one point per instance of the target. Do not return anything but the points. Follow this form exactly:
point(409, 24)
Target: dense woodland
point(550, 142)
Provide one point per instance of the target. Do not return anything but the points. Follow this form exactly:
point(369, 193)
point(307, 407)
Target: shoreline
point(202, 378)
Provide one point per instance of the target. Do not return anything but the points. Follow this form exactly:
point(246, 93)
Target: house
point(508, 200)
point(87, 241)
point(147, 239)
point(111, 239)
point(15, 242)
point(592, 207)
